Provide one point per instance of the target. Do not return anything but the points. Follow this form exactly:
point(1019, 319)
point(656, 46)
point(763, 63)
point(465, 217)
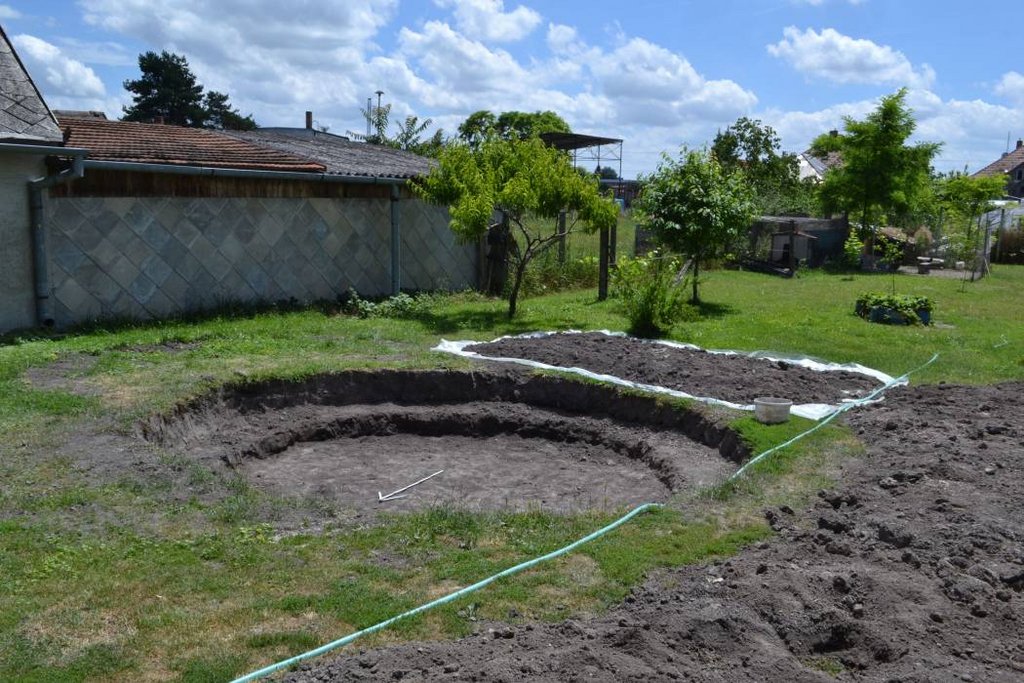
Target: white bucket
point(771, 411)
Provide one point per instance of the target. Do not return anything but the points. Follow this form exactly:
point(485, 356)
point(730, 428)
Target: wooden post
point(497, 257)
point(792, 246)
point(602, 274)
point(613, 244)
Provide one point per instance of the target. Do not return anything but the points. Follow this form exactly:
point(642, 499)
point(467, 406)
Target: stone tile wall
point(152, 257)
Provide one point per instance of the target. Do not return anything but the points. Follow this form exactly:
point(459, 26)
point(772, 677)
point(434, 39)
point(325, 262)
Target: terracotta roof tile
point(1004, 164)
point(176, 145)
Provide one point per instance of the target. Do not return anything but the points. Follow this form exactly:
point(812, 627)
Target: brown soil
point(67, 373)
point(911, 569)
point(504, 440)
point(733, 378)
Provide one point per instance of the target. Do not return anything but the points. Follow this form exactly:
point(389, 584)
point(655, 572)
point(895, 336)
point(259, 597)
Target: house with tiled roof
point(144, 220)
point(1012, 165)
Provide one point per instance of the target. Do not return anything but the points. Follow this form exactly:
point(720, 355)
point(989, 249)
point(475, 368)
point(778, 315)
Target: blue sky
point(657, 73)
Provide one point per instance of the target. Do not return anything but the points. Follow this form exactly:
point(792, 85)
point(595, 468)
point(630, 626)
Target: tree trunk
point(696, 271)
point(517, 281)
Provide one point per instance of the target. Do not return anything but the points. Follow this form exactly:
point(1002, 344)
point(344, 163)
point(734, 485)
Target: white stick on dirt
point(394, 494)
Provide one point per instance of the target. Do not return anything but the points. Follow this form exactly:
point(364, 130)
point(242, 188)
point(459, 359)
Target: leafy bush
point(652, 298)
point(909, 309)
point(392, 307)
point(852, 250)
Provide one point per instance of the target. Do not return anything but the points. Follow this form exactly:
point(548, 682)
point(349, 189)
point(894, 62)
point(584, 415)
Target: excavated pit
point(505, 440)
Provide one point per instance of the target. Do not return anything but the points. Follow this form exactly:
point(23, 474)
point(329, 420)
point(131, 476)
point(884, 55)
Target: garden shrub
point(395, 306)
point(852, 250)
point(907, 307)
point(652, 298)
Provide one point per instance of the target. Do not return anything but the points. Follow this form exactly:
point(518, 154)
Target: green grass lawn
point(126, 579)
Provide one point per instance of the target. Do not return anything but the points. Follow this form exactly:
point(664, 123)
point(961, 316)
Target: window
point(1020, 174)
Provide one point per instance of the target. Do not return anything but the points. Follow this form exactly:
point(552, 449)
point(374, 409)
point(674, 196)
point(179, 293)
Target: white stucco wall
point(17, 308)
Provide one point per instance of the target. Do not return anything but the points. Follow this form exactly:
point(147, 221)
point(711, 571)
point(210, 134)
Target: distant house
point(102, 219)
point(1012, 164)
point(815, 167)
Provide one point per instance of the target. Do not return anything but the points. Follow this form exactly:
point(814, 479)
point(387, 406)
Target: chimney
point(158, 120)
point(309, 120)
point(1020, 143)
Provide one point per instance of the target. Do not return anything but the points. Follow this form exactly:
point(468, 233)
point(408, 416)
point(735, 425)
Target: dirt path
point(912, 569)
point(733, 378)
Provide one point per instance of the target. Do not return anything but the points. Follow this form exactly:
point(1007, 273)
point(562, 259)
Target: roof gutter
point(172, 169)
point(40, 263)
point(41, 148)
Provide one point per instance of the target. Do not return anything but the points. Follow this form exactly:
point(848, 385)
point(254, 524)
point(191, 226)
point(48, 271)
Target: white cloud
point(832, 56)
point(461, 65)
point(1011, 87)
point(650, 84)
point(8, 12)
point(488, 20)
point(65, 77)
point(271, 62)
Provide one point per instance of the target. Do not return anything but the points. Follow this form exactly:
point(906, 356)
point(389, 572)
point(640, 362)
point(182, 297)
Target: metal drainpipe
point(396, 243)
point(41, 267)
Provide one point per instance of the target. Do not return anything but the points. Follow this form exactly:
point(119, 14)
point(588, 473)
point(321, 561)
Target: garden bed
point(728, 377)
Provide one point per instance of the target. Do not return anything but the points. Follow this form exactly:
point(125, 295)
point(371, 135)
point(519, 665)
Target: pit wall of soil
point(190, 420)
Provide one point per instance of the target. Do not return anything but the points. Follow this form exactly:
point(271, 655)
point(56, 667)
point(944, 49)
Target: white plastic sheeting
point(813, 411)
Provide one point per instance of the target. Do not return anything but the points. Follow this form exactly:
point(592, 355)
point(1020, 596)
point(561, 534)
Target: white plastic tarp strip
point(812, 411)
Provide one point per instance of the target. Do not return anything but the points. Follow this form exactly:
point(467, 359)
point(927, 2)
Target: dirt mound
point(911, 570)
point(733, 378)
point(508, 441)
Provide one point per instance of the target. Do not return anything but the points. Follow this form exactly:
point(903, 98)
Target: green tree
point(827, 143)
point(694, 207)
point(519, 124)
point(408, 134)
point(519, 180)
point(606, 173)
point(169, 90)
point(881, 178)
point(510, 124)
point(964, 199)
point(475, 129)
point(220, 114)
point(755, 148)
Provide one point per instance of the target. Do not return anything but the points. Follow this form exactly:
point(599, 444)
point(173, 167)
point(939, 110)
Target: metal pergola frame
point(587, 148)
